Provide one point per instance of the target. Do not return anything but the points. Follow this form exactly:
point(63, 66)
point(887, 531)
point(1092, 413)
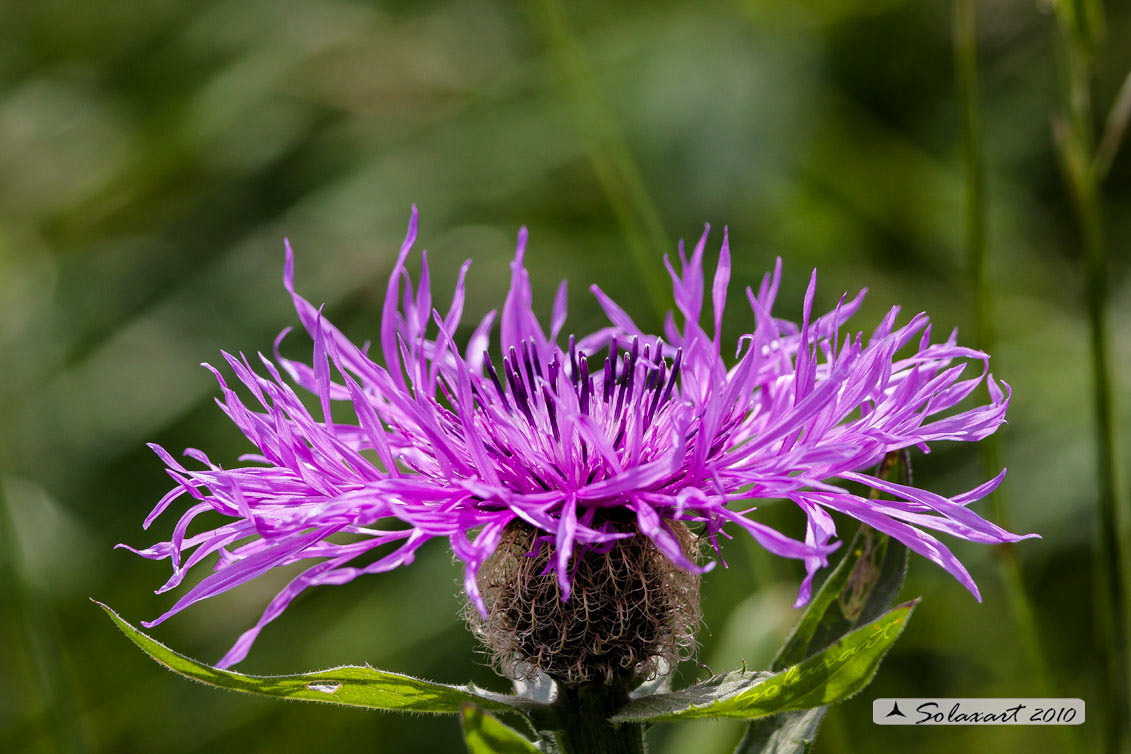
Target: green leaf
point(860, 588)
point(485, 734)
point(349, 685)
point(831, 675)
point(787, 733)
point(699, 695)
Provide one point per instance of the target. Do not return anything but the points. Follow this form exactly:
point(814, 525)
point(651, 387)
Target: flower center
point(555, 426)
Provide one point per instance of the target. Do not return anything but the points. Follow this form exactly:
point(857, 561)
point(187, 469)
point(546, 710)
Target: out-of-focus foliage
point(153, 155)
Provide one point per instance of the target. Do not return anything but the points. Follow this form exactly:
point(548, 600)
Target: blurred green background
point(154, 154)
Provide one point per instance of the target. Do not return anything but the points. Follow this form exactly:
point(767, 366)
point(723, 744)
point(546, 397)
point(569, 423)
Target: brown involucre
point(631, 610)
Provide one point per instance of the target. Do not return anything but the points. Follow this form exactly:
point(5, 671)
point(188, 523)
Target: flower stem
point(585, 727)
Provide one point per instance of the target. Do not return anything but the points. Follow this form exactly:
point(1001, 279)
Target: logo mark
point(977, 711)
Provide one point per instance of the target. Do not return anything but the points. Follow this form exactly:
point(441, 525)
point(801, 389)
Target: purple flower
point(449, 441)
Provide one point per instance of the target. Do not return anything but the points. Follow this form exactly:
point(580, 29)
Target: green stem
point(585, 728)
point(966, 73)
point(1081, 28)
point(1110, 558)
point(62, 729)
point(966, 70)
point(616, 170)
point(1114, 130)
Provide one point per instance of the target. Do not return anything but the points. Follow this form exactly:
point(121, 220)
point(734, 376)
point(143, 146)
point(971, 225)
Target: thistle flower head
point(577, 442)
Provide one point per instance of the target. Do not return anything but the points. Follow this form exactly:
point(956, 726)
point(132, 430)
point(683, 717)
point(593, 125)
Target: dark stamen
point(586, 386)
point(516, 365)
point(518, 390)
point(672, 378)
point(610, 372)
point(627, 377)
point(659, 382)
point(495, 379)
point(530, 359)
point(477, 397)
point(650, 380)
point(555, 367)
point(573, 373)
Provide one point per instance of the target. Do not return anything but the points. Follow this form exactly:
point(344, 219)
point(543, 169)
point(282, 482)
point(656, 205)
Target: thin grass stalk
point(975, 207)
point(1110, 572)
point(1114, 131)
point(616, 170)
point(1081, 27)
point(60, 727)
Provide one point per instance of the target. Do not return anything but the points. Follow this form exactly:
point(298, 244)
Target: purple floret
point(556, 432)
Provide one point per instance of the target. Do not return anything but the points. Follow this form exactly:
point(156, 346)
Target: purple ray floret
point(567, 434)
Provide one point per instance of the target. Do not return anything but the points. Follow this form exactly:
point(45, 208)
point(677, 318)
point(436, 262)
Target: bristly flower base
point(631, 610)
